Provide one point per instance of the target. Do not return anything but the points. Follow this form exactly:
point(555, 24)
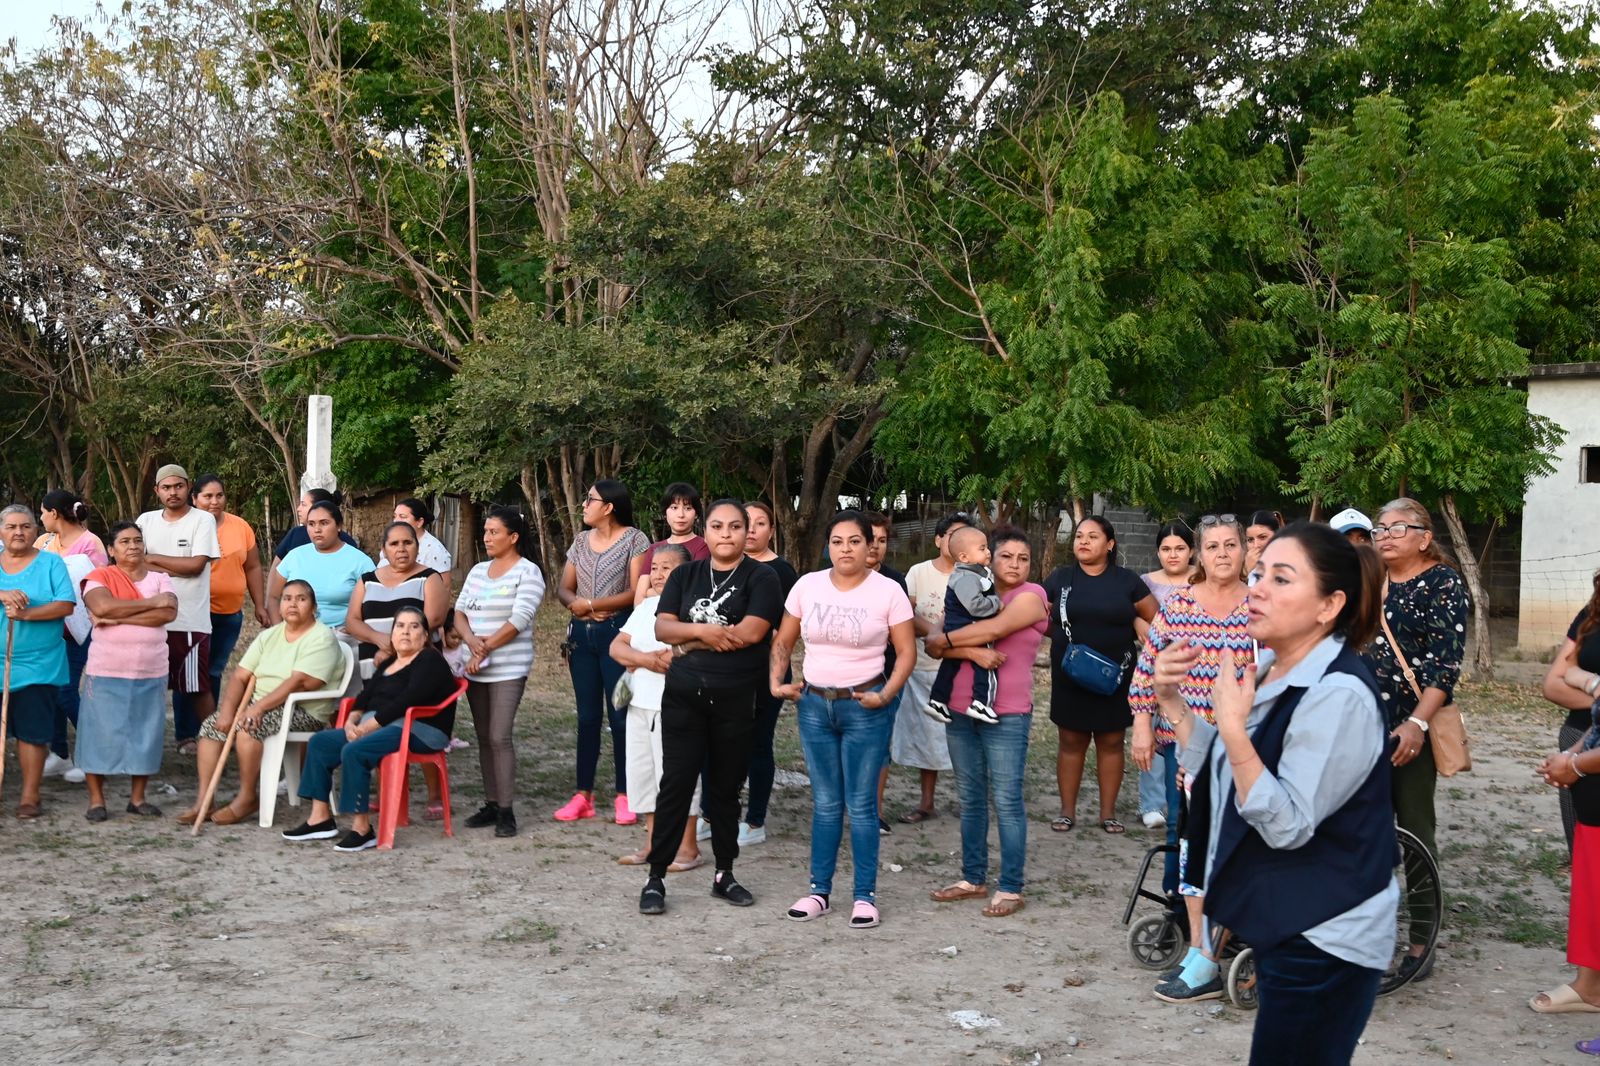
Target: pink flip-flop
point(809, 909)
point(863, 915)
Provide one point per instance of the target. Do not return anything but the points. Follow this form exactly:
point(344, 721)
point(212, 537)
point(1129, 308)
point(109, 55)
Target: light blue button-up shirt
point(1328, 751)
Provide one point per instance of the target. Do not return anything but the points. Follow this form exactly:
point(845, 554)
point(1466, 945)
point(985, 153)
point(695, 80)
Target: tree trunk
point(1483, 650)
point(549, 554)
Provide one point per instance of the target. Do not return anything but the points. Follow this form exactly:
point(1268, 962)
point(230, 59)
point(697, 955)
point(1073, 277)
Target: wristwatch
point(1419, 723)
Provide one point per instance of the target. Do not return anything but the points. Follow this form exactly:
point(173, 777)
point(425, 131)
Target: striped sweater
point(1181, 616)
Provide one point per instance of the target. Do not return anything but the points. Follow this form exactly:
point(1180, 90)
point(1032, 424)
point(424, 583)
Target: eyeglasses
point(1396, 530)
point(1219, 520)
point(593, 499)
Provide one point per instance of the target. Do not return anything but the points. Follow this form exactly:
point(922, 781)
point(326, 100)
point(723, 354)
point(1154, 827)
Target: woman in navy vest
point(1291, 789)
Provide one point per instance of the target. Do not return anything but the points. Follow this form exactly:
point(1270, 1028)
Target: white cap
point(1349, 519)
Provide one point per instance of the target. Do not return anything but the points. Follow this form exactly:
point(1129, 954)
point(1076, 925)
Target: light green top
point(272, 658)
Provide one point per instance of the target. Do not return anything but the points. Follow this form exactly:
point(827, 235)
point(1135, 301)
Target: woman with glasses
point(597, 586)
point(1106, 608)
point(1417, 659)
point(1211, 614)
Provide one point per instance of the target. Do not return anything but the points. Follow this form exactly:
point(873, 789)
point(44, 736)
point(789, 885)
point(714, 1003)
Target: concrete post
point(319, 445)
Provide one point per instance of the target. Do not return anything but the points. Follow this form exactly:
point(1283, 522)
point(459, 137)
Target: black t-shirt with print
point(696, 593)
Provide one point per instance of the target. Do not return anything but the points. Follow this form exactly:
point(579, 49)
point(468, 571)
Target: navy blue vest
point(1267, 895)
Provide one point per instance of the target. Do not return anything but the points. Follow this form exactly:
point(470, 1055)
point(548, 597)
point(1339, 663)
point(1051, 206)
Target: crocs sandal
point(863, 915)
point(809, 908)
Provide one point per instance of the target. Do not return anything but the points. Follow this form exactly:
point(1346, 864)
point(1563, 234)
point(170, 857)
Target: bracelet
point(1572, 756)
point(1420, 723)
point(949, 644)
point(1594, 683)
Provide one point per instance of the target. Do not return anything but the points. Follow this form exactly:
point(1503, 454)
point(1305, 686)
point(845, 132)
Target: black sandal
point(1112, 826)
point(1063, 824)
point(96, 814)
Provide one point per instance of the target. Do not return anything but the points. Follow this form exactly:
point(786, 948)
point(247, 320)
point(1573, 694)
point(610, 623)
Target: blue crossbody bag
point(1084, 666)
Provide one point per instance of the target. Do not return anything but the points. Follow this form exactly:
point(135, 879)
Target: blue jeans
point(763, 765)
point(594, 674)
point(224, 636)
point(990, 759)
point(356, 760)
point(845, 746)
point(1314, 1006)
point(67, 695)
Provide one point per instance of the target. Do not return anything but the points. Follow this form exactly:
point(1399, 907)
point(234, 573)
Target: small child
point(969, 598)
point(455, 652)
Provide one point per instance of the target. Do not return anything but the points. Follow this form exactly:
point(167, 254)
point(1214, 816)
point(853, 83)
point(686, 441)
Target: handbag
point(1447, 729)
point(1084, 666)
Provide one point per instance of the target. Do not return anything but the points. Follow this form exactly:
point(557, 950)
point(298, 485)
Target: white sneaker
point(55, 765)
point(704, 831)
point(1153, 819)
point(74, 776)
point(751, 834)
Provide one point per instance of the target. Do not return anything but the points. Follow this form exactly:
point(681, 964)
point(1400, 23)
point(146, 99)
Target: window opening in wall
point(1589, 466)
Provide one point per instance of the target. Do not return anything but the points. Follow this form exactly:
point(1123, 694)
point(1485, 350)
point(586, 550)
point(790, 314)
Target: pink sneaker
point(579, 806)
point(624, 813)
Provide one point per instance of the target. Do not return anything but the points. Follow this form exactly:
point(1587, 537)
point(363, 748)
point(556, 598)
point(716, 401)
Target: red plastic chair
point(394, 784)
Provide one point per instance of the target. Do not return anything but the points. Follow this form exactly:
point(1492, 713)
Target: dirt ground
point(131, 942)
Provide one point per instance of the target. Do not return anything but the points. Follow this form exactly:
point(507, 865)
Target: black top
point(697, 593)
point(1099, 606)
point(298, 536)
point(423, 682)
point(1588, 659)
point(787, 574)
point(1428, 615)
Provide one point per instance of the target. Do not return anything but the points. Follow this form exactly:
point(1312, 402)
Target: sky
point(28, 21)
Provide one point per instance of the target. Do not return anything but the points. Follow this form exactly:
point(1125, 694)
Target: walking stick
point(5, 700)
point(203, 811)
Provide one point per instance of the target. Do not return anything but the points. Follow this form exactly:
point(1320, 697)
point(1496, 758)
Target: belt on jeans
point(846, 693)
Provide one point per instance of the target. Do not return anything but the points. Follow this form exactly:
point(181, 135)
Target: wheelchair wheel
point(1421, 911)
point(1156, 941)
point(1241, 982)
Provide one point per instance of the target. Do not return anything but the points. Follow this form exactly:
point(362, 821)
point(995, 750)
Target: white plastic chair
point(274, 749)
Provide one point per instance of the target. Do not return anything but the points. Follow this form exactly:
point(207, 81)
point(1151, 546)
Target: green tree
point(1401, 232)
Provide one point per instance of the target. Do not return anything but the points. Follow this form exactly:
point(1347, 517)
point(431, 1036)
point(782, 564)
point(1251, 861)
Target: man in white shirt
point(181, 541)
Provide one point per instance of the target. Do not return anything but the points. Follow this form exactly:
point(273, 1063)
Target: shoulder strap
point(1388, 634)
point(1061, 605)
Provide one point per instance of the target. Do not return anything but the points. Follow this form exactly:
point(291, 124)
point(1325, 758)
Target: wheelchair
point(1158, 940)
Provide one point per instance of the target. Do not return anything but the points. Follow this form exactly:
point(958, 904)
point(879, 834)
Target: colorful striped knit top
point(1181, 616)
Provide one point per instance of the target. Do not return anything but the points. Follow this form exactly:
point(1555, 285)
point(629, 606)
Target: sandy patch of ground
point(131, 942)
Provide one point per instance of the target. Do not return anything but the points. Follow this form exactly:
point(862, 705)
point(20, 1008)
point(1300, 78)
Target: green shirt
point(273, 658)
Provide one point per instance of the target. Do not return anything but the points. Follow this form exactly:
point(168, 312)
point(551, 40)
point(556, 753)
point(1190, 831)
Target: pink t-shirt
point(845, 632)
point(136, 653)
point(1014, 680)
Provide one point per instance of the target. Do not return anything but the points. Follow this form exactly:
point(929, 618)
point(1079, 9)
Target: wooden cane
point(5, 700)
point(203, 811)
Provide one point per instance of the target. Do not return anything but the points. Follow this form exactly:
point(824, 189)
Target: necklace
point(717, 587)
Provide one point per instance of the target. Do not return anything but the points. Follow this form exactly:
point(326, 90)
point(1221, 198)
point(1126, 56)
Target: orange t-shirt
point(235, 538)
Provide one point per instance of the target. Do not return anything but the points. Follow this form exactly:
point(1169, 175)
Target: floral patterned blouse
point(1428, 616)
